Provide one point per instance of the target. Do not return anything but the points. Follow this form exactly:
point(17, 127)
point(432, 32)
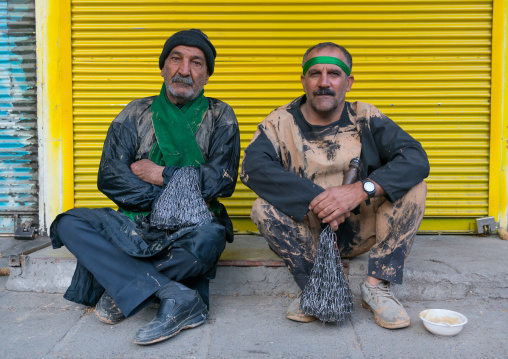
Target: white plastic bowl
point(443, 322)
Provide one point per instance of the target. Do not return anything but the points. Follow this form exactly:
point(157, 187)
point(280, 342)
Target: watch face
point(369, 187)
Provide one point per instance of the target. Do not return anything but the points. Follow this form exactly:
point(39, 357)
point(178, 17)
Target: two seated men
point(295, 163)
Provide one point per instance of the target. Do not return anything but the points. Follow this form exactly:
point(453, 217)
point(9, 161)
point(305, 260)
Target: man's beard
point(191, 94)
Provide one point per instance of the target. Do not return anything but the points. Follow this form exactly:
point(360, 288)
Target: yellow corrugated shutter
point(426, 64)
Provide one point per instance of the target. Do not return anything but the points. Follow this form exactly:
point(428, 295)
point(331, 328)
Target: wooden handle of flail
point(352, 171)
point(349, 178)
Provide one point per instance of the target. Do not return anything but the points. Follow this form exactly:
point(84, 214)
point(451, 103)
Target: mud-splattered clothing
point(387, 229)
point(130, 138)
point(289, 162)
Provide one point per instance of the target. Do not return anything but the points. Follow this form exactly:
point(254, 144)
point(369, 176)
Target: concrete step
point(439, 268)
point(11, 248)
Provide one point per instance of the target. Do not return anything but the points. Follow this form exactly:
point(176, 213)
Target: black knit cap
point(192, 37)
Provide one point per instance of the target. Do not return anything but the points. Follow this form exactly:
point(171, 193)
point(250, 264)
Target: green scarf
point(175, 131)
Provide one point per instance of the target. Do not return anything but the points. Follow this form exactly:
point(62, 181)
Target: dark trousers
point(131, 281)
point(383, 228)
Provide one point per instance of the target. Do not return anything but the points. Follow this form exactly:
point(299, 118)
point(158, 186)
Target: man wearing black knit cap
point(125, 260)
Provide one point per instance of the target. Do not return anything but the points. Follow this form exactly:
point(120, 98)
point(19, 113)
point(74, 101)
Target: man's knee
point(67, 227)
point(267, 218)
point(380, 221)
point(398, 223)
point(206, 243)
point(269, 221)
point(259, 211)
point(417, 194)
point(414, 199)
point(408, 211)
point(194, 255)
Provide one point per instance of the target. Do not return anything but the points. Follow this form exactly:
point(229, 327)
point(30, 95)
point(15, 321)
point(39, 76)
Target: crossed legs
point(178, 273)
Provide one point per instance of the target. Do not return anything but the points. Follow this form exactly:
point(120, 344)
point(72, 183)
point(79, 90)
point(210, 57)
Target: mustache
point(324, 92)
point(182, 79)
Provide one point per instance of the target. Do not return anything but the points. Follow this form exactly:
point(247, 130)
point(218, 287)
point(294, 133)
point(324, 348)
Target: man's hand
point(335, 204)
point(148, 171)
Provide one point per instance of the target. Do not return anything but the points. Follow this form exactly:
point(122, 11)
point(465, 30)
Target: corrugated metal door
point(18, 110)
point(426, 64)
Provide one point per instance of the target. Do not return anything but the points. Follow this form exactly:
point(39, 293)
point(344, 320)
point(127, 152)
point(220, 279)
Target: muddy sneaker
point(295, 313)
point(388, 311)
point(107, 311)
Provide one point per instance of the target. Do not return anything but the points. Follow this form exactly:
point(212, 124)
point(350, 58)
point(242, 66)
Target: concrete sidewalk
point(462, 273)
point(36, 325)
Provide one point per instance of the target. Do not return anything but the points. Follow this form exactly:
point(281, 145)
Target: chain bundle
point(327, 295)
point(181, 204)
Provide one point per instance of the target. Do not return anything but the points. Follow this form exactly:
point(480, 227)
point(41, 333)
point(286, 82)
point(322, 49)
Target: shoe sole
point(384, 324)
point(301, 319)
point(296, 314)
point(106, 320)
point(201, 317)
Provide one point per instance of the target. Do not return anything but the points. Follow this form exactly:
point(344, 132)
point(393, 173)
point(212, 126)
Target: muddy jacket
point(289, 161)
point(130, 138)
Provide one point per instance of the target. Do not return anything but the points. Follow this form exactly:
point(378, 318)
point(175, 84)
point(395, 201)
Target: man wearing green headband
point(296, 163)
point(125, 261)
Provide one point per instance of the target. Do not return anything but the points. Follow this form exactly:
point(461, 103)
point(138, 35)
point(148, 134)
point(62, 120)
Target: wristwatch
point(370, 188)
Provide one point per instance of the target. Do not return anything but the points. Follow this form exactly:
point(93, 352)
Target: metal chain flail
point(327, 295)
point(181, 204)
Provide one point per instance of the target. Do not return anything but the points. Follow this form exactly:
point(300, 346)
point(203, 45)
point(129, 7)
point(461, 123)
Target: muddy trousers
point(132, 281)
point(386, 229)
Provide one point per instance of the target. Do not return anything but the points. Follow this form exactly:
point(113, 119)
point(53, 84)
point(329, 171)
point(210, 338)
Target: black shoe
point(107, 311)
point(171, 319)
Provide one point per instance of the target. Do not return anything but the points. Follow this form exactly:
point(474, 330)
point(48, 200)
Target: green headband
point(326, 60)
